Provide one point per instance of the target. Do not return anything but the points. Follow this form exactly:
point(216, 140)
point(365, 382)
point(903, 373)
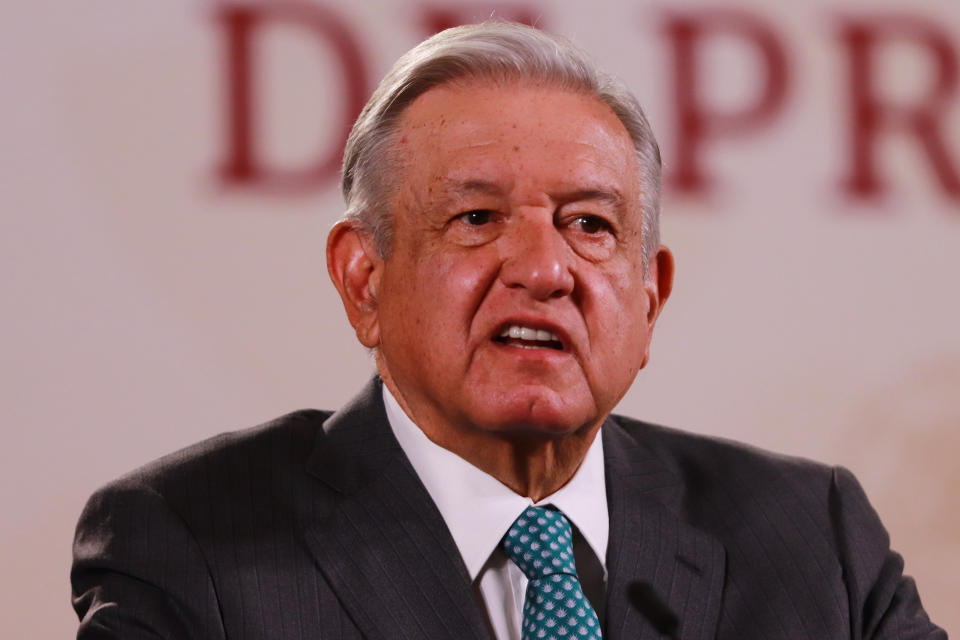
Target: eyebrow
point(607, 195)
point(471, 187)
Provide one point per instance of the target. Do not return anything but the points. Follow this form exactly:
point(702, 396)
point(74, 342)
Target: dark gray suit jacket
point(295, 530)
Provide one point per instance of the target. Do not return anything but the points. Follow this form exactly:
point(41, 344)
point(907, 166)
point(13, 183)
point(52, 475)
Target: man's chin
point(526, 416)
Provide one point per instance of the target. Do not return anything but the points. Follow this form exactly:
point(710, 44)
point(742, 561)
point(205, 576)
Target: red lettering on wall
point(241, 162)
point(436, 18)
point(697, 122)
point(870, 115)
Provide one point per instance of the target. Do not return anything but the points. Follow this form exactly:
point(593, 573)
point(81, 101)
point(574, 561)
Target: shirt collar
point(479, 509)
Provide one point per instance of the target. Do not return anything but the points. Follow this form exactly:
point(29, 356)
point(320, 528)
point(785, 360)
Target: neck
point(531, 466)
point(529, 463)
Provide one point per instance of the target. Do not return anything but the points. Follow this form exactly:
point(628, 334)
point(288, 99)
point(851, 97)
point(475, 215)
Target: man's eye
point(477, 217)
point(591, 224)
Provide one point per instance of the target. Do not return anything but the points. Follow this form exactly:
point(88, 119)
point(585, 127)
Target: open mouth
point(517, 335)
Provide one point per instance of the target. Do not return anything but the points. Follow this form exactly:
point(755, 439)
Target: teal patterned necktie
point(540, 542)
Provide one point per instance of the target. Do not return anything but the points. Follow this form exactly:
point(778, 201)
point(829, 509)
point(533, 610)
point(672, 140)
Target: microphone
point(645, 600)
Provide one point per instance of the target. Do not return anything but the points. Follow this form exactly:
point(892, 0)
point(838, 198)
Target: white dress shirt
point(479, 509)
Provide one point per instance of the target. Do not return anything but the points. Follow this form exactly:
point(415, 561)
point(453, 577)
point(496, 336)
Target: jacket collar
point(659, 565)
point(379, 539)
point(387, 553)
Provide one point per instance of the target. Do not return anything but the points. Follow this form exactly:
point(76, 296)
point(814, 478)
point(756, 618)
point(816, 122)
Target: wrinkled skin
point(517, 205)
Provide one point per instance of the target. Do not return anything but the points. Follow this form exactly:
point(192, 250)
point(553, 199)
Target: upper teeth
point(526, 333)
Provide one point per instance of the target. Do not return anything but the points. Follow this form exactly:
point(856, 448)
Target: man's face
point(514, 298)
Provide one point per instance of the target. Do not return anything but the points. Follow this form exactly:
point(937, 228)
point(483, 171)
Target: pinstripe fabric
point(741, 543)
point(386, 549)
point(317, 527)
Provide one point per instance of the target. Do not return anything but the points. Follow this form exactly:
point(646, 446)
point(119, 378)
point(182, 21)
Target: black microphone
point(645, 600)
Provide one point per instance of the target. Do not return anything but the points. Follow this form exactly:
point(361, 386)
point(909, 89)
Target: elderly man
point(500, 256)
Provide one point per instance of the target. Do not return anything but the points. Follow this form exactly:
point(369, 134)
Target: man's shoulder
point(269, 448)
point(691, 448)
point(714, 469)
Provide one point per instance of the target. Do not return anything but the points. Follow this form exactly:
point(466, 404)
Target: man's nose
point(538, 259)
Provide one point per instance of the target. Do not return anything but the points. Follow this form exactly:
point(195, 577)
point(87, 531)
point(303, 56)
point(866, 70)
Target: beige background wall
point(146, 305)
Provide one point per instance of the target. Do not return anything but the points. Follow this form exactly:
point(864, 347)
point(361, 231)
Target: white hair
point(498, 51)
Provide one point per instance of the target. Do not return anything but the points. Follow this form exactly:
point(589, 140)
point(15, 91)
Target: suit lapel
point(673, 567)
point(379, 539)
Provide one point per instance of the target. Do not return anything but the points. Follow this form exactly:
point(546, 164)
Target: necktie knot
point(540, 542)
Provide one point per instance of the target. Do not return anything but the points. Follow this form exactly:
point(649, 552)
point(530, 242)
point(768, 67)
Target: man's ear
point(356, 270)
point(658, 285)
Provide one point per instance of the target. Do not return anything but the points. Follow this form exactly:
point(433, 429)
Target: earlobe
point(356, 269)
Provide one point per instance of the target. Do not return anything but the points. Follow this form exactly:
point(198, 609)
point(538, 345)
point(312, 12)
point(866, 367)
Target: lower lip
point(531, 352)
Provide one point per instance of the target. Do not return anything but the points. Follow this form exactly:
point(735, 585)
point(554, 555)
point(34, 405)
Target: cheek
point(616, 309)
point(452, 288)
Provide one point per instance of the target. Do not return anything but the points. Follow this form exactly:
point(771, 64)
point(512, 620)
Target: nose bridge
point(536, 257)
